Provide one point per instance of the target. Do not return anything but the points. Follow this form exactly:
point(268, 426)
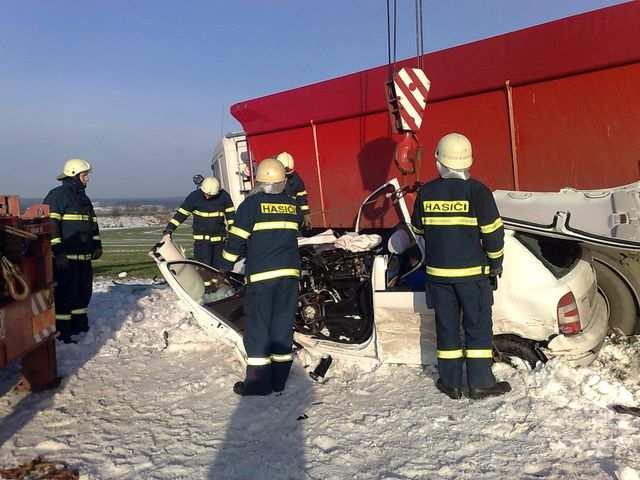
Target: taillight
point(568, 315)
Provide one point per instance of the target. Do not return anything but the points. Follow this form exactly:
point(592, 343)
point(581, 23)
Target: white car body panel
point(608, 217)
point(188, 286)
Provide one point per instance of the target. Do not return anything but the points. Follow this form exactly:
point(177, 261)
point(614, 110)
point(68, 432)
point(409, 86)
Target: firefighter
point(265, 233)
point(464, 240)
point(295, 186)
point(211, 208)
point(75, 241)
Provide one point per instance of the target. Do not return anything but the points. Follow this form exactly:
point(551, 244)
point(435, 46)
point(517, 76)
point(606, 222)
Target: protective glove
point(306, 222)
point(97, 253)
point(217, 278)
point(167, 232)
point(61, 262)
point(494, 274)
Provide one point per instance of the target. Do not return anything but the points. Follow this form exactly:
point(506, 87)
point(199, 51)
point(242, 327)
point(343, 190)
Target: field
point(125, 250)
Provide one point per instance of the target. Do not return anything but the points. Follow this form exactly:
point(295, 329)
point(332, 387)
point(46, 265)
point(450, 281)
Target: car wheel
point(623, 314)
point(517, 352)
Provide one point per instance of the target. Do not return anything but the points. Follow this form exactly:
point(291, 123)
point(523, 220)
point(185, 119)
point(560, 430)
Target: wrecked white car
point(371, 305)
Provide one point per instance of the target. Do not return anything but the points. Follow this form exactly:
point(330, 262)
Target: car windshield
point(559, 256)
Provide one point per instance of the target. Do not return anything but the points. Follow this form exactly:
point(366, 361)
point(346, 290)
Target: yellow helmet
point(210, 186)
point(73, 167)
point(270, 170)
point(454, 151)
point(286, 159)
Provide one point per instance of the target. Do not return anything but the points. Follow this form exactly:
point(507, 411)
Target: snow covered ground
point(131, 407)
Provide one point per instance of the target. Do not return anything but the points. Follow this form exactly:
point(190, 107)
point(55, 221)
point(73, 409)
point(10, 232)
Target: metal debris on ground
point(625, 409)
point(40, 469)
point(165, 336)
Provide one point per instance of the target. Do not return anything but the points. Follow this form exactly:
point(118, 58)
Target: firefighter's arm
point(56, 210)
point(229, 210)
point(301, 218)
point(95, 231)
point(235, 246)
point(416, 217)
point(301, 196)
point(491, 229)
point(180, 216)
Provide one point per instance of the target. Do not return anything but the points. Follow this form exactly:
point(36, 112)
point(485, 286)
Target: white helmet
point(210, 186)
point(270, 170)
point(286, 159)
point(73, 167)
point(454, 151)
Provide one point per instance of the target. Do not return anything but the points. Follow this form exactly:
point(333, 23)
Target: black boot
point(66, 338)
point(240, 388)
point(500, 388)
point(454, 393)
point(279, 374)
point(82, 324)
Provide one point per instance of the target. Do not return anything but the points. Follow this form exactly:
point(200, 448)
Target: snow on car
point(370, 305)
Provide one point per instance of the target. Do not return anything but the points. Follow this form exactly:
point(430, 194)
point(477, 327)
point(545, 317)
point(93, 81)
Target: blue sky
point(142, 89)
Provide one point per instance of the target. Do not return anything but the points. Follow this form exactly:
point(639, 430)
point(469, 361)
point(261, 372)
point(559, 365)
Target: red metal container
point(545, 107)
point(27, 325)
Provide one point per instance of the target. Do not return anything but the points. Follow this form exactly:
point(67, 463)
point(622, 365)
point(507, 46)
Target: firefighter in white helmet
point(295, 186)
point(213, 212)
point(265, 233)
point(75, 241)
point(464, 241)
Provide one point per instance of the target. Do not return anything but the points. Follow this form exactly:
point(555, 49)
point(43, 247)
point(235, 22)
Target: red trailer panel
point(582, 131)
point(545, 107)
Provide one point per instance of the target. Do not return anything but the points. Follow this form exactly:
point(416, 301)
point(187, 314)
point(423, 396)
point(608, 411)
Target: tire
point(623, 314)
point(516, 351)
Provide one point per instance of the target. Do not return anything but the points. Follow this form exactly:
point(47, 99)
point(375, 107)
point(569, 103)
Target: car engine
point(334, 300)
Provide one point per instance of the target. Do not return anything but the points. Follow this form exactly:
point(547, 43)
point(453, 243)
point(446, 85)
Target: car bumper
point(581, 349)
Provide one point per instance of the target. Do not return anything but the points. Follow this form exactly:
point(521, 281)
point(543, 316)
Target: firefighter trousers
point(474, 299)
point(208, 252)
point(270, 308)
point(72, 294)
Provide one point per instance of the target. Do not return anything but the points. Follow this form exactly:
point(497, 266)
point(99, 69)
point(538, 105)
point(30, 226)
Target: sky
point(142, 89)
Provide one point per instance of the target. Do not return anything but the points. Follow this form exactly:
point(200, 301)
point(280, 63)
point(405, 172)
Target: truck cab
point(232, 165)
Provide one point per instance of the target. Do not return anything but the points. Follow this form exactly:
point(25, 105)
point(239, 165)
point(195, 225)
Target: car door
point(211, 302)
point(405, 327)
point(608, 217)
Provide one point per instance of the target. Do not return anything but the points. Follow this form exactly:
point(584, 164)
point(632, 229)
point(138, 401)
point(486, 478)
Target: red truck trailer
point(546, 107)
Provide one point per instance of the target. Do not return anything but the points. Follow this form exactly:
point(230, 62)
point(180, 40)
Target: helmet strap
point(446, 172)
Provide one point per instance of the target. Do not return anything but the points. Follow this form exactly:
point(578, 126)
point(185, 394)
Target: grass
point(126, 250)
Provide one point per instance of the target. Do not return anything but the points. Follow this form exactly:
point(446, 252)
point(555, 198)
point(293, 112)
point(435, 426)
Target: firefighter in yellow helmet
point(265, 233)
point(464, 241)
point(295, 186)
point(75, 241)
point(213, 212)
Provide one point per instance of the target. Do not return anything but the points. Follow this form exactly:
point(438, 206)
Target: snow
point(110, 222)
point(134, 406)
